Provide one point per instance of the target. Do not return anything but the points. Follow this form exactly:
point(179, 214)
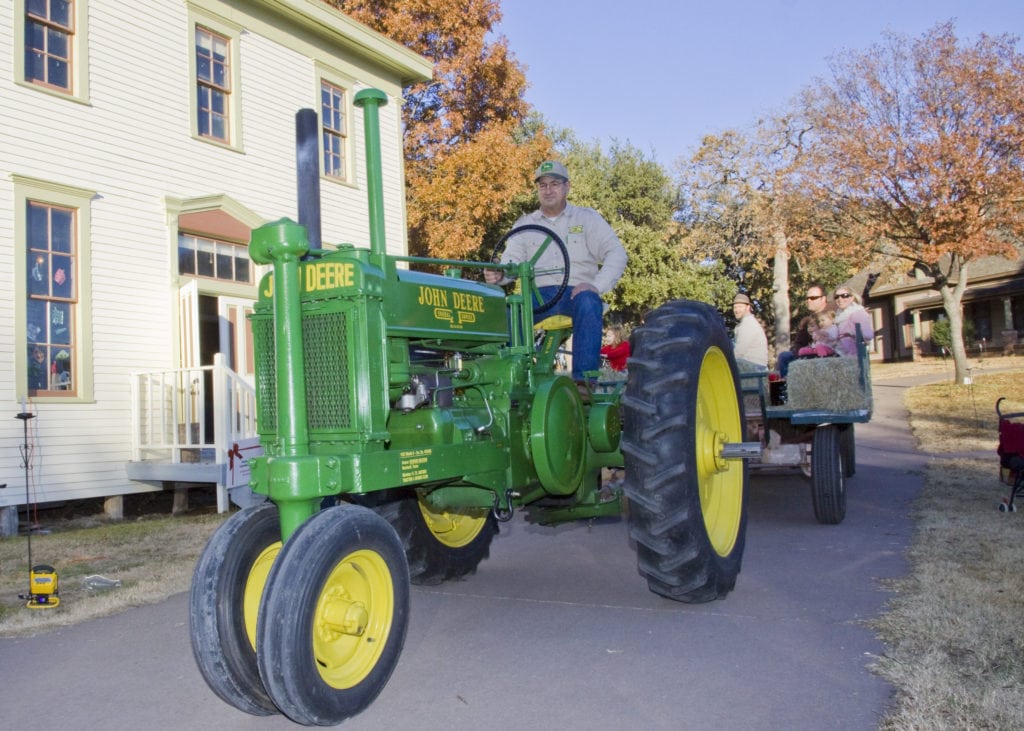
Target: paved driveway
point(558, 630)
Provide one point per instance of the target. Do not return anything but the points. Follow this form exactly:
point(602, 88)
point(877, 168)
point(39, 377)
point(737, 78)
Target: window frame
point(239, 251)
point(232, 34)
point(331, 77)
point(339, 171)
point(78, 71)
point(28, 190)
point(178, 212)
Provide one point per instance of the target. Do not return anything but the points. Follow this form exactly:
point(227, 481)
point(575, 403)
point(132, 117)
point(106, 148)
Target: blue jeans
point(587, 311)
point(783, 361)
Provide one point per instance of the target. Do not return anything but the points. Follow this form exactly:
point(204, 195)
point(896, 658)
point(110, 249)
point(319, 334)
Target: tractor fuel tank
point(446, 308)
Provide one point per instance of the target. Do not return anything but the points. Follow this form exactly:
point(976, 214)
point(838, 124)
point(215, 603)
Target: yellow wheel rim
point(454, 530)
point(353, 618)
point(254, 585)
point(720, 481)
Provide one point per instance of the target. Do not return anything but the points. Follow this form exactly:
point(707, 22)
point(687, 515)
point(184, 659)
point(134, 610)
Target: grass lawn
point(152, 555)
point(954, 629)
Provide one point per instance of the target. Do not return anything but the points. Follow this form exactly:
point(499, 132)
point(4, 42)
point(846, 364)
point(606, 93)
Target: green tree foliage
point(942, 335)
point(658, 273)
point(636, 196)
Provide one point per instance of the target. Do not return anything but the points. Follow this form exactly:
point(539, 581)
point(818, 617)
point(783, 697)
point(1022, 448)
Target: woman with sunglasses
point(850, 313)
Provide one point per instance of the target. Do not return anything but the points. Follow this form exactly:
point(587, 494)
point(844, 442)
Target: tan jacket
point(596, 255)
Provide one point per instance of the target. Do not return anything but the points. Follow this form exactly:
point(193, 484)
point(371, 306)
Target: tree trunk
point(952, 299)
point(780, 291)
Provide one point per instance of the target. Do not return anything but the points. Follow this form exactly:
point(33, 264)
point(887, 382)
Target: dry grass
point(952, 418)
point(153, 557)
point(943, 367)
point(955, 629)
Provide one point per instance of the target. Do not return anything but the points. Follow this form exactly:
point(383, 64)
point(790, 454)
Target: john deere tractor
point(403, 416)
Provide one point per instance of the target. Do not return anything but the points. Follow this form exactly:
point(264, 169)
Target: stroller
point(1011, 455)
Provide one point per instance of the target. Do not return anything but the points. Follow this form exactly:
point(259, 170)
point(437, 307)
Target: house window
point(52, 50)
point(49, 35)
point(52, 297)
point(1017, 312)
point(51, 286)
point(335, 132)
point(199, 256)
point(213, 84)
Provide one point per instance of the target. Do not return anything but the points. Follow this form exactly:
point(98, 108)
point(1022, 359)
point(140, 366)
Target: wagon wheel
point(848, 450)
point(550, 258)
point(334, 615)
point(223, 604)
point(687, 503)
point(828, 482)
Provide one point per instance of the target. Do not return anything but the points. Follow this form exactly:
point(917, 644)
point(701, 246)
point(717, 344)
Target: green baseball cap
point(551, 168)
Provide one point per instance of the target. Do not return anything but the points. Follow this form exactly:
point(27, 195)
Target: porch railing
point(192, 415)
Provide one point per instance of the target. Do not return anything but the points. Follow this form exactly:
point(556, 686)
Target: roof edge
point(410, 66)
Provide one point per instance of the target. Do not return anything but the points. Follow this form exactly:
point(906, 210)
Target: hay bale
point(826, 384)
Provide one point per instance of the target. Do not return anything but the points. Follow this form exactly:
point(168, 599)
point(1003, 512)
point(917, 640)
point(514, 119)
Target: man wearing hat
point(749, 341)
point(596, 262)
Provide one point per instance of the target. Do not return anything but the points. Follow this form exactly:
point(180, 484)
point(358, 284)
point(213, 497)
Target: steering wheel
point(549, 257)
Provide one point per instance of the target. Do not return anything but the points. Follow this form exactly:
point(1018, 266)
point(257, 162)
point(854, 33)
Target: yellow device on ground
point(42, 585)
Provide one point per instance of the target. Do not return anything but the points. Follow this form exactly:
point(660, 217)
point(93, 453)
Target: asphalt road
point(558, 630)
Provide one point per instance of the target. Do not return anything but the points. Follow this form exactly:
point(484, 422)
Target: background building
point(905, 308)
point(142, 143)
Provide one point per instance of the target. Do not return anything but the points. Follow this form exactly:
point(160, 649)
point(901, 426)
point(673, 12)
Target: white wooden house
point(141, 143)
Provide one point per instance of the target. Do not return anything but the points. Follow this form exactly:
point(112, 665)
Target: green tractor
point(403, 415)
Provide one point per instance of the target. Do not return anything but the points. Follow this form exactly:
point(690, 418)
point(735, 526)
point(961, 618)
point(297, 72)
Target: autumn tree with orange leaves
point(916, 152)
point(466, 156)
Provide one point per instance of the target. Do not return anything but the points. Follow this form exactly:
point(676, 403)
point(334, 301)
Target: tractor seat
point(554, 322)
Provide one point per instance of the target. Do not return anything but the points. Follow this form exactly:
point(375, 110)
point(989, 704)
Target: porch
point(194, 425)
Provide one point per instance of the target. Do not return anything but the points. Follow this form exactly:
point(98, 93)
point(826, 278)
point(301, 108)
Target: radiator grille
point(266, 387)
point(327, 383)
point(328, 402)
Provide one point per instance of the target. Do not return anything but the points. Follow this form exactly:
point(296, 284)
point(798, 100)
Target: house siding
point(133, 145)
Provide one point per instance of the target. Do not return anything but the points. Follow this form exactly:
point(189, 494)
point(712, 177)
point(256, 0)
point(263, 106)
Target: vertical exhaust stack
point(369, 100)
point(307, 158)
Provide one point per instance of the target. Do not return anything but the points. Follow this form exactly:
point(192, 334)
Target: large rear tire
point(828, 475)
point(440, 545)
point(224, 602)
point(687, 505)
point(334, 615)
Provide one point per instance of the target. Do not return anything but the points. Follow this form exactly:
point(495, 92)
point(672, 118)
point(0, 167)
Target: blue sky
point(660, 74)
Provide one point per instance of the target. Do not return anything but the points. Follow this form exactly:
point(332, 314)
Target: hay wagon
point(806, 424)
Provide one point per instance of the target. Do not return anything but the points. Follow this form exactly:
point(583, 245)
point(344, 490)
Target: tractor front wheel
point(223, 604)
point(334, 615)
point(687, 505)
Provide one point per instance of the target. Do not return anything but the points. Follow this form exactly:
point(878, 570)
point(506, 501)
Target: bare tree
point(740, 205)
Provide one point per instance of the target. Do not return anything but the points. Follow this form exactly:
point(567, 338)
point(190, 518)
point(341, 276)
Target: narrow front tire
point(334, 616)
point(223, 604)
